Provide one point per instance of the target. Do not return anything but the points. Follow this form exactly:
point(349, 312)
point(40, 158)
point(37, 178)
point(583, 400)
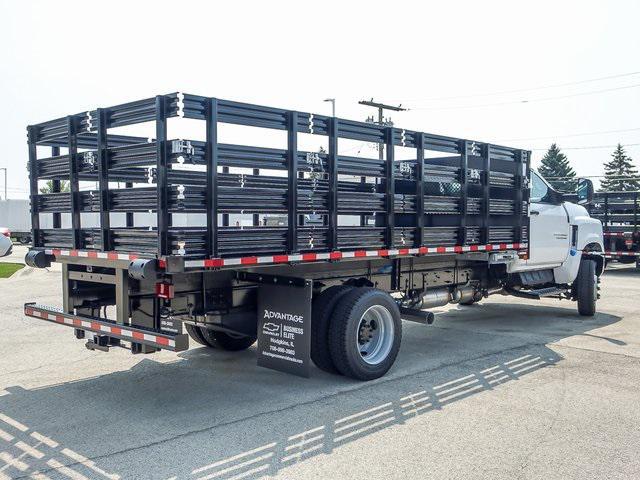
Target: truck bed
point(445, 195)
point(619, 213)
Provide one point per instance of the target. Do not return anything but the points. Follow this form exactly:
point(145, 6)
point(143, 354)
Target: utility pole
point(381, 120)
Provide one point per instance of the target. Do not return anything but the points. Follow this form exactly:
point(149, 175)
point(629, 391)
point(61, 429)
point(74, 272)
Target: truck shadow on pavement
point(622, 271)
point(217, 415)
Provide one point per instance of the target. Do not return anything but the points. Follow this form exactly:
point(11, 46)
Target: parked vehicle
point(6, 245)
point(619, 213)
point(458, 222)
point(15, 218)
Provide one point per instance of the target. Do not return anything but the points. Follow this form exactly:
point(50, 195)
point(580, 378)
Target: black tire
point(226, 341)
point(220, 340)
point(587, 288)
point(345, 329)
point(194, 333)
point(321, 313)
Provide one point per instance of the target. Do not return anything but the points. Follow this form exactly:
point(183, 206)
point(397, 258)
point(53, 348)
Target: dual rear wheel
point(356, 332)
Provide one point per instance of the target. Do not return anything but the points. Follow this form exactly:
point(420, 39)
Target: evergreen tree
point(620, 174)
point(48, 187)
point(556, 170)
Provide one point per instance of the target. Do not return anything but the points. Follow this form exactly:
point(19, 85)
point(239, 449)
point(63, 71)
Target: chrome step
point(539, 293)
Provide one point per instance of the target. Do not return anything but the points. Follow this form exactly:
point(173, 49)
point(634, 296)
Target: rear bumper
point(100, 326)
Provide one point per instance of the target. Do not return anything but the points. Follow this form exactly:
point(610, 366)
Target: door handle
point(534, 212)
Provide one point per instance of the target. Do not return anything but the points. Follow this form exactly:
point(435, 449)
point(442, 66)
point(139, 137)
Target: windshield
point(539, 187)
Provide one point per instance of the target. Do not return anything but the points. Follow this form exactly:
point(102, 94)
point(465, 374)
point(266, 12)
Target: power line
point(619, 177)
point(530, 89)
point(357, 147)
point(570, 135)
point(516, 102)
point(591, 147)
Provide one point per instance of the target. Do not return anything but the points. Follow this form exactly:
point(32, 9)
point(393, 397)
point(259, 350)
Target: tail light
point(164, 290)
point(6, 233)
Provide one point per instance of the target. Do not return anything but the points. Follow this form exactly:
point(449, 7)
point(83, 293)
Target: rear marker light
point(164, 290)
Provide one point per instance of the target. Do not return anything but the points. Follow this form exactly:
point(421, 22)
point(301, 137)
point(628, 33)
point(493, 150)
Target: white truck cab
point(560, 230)
point(562, 238)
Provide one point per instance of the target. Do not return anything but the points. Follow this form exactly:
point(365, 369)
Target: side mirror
point(584, 191)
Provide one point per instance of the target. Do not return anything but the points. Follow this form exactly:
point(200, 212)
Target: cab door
point(550, 230)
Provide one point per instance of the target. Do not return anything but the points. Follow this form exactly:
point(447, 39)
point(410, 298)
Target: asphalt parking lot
point(505, 389)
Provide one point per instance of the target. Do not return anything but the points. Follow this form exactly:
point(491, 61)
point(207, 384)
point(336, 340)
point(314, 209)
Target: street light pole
point(333, 105)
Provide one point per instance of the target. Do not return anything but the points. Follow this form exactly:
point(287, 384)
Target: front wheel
point(587, 288)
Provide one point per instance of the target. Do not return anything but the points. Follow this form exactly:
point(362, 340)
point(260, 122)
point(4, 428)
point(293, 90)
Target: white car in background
point(6, 245)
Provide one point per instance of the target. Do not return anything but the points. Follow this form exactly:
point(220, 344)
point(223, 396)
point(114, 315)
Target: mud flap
point(284, 326)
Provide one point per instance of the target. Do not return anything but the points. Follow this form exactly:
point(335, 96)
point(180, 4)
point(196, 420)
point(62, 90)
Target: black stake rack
point(453, 192)
point(619, 212)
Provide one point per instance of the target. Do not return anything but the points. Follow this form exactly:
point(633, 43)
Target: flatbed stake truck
point(619, 213)
point(359, 243)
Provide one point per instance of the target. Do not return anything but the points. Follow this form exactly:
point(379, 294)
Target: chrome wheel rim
point(375, 334)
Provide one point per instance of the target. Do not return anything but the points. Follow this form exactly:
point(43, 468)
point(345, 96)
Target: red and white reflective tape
point(613, 253)
point(119, 331)
point(617, 234)
point(294, 258)
point(56, 252)
point(314, 257)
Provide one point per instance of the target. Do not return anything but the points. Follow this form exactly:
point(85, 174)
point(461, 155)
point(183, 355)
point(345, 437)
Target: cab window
point(539, 189)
